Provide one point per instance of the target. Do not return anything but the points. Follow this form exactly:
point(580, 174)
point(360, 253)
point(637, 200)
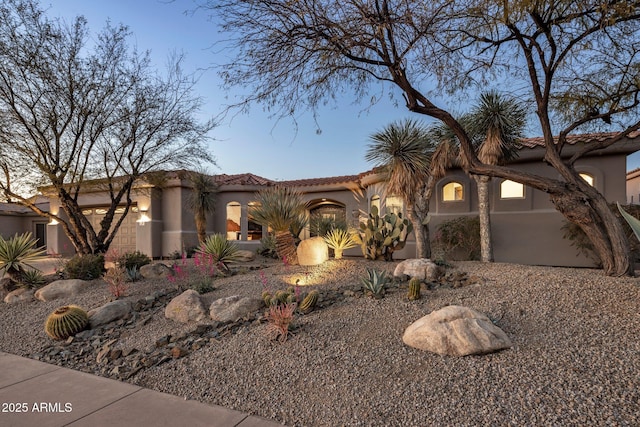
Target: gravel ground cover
point(575, 360)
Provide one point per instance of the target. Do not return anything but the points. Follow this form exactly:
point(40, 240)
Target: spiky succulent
point(339, 240)
point(375, 282)
point(222, 250)
point(16, 253)
point(309, 302)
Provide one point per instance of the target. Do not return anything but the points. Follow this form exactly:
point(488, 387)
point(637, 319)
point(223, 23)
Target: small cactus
point(266, 297)
point(291, 298)
point(414, 289)
point(65, 322)
point(281, 296)
point(309, 302)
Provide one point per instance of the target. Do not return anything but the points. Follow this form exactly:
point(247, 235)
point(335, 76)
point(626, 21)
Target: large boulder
point(61, 289)
point(421, 268)
point(313, 251)
point(245, 256)
point(186, 307)
point(109, 312)
point(155, 271)
point(233, 308)
point(456, 331)
point(19, 295)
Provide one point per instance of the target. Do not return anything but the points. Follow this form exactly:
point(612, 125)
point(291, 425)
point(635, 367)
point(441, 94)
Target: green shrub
point(459, 236)
point(133, 259)
point(85, 267)
point(202, 285)
point(268, 247)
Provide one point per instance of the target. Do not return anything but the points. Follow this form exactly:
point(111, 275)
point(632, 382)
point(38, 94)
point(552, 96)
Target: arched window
point(511, 190)
point(452, 192)
point(394, 204)
point(233, 220)
point(587, 177)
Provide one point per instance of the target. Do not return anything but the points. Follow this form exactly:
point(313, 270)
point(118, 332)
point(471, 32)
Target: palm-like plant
point(404, 150)
point(279, 207)
point(339, 240)
point(16, 253)
point(499, 121)
point(202, 200)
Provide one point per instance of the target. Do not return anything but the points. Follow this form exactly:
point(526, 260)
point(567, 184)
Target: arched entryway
point(324, 215)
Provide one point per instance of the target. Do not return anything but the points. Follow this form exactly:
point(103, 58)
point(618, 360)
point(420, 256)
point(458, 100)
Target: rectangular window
point(511, 190)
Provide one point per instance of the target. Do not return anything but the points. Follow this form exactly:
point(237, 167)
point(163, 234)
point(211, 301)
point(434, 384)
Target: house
point(526, 227)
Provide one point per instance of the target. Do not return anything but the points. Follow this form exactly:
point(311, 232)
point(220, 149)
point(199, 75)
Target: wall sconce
point(53, 222)
point(144, 218)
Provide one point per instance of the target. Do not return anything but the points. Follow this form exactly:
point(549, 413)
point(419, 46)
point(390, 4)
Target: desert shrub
point(16, 253)
point(133, 259)
point(339, 240)
point(279, 318)
point(459, 236)
point(321, 224)
point(374, 283)
point(115, 279)
point(581, 242)
point(85, 267)
point(222, 250)
point(268, 247)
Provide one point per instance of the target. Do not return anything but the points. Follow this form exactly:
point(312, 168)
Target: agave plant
point(375, 282)
point(339, 240)
point(633, 222)
point(222, 250)
point(16, 253)
point(279, 208)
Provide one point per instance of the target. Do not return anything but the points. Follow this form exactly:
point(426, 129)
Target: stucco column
point(244, 222)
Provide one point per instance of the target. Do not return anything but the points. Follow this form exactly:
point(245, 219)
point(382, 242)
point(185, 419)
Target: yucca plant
point(16, 253)
point(339, 240)
point(280, 207)
point(32, 279)
point(222, 250)
point(375, 282)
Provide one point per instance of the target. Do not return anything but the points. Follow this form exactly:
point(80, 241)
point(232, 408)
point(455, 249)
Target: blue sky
point(246, 142)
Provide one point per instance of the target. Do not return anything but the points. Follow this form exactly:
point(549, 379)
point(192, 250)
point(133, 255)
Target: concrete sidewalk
point(34, 393)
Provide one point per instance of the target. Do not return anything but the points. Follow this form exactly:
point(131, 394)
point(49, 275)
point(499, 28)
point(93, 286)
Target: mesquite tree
point(571, 59)
point(81, 113)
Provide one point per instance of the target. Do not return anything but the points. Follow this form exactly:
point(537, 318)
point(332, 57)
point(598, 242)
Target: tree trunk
point(593, 215)
point(421, 230)
point(484, 207)
point(286, 247)
point(201, 225)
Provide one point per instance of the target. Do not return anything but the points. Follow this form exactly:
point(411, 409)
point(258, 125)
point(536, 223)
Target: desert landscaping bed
point(575, 358)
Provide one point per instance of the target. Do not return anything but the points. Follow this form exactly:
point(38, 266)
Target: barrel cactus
point(414, 289)
point(66, 321)
point(309, 302)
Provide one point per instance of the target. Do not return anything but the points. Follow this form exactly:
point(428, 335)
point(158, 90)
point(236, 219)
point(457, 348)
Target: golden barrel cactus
point(65, 322)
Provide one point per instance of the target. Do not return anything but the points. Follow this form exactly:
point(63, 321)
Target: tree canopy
point(81, 112)
point(570, 60)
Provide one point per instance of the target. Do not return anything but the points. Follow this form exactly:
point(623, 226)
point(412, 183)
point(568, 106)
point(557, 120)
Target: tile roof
point(319, 181)
point(584, 138)
point(242, 179)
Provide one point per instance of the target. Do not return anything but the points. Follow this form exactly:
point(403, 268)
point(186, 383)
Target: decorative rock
point(186, 307)
point(19, 295)
point(233, 308)
point(245, 256)
point(456, 331)
point(178, 352)
point(61, 289)
point(155, 271)
point(313, 251)
point(421, 268)
point(109, 312)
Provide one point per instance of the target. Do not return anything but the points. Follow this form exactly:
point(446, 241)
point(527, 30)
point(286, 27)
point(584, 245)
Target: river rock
point(155, 271)
point(313, 251)
point(109, 312)
point(186, 307)
point(245, 256)
point(233, 308)
point(61, 289)
point(456, 331)
point(19, 295)
point(421, 268)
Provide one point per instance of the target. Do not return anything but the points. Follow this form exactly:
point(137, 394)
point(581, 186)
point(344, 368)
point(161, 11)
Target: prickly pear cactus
point(309, 302)
point(414, 289)
point(65, 322)
point(381, 236)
